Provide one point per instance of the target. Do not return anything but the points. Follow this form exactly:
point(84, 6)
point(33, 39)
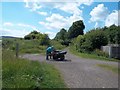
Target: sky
point(20, 18)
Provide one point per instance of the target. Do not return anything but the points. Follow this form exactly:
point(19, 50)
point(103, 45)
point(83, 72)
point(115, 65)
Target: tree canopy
point(34, 35)
point(113, 34)
point(76, 29)
point(62, 35)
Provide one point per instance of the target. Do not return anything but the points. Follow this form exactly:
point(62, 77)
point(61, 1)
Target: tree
point(97, 38)
point(44, 40)
point(62, 35)
point(34, 35)
point(113, 34)
point(76, 29)
point(91, 41)
point(79, 41)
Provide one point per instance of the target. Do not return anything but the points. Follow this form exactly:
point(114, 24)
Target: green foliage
point(62, 35)
point(90, 56)
point(76, 29)
point(33, 35)
point(57, 44)
point(90, 41)
point(96, 38)
point(43, 38)
point(113, 34)
point(65, 42)
point(25, 46)
point(98, 52)
point(79, 41)
point(21, 73)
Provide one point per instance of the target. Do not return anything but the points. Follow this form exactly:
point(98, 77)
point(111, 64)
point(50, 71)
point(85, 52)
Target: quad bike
point(59, 55)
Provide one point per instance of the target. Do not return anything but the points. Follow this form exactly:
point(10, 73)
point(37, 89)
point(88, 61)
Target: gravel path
point(82, 73)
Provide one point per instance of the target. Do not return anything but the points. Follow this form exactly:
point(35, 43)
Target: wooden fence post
point(17, 49)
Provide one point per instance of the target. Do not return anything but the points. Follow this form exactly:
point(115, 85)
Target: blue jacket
point(49, 49)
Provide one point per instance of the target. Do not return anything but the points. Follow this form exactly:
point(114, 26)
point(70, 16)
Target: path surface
point(82, 73)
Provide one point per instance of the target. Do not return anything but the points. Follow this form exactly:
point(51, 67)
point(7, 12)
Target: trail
point(82, 73)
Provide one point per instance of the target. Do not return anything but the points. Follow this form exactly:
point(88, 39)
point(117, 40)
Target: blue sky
point(20, 18)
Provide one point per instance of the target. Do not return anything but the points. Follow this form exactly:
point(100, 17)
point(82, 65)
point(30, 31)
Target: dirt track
point(82, 73)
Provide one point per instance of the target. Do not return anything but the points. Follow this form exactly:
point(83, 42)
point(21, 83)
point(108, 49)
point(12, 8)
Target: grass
point(90, 56)
point(21, 73)
point(57, 45)
point(29, 46)
point(25, 46)
point(108, 67)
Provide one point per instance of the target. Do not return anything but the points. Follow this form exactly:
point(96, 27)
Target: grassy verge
point(25, 46)
point(90, 56)
point(108, 67)
point(29, 46)
point(21, 73)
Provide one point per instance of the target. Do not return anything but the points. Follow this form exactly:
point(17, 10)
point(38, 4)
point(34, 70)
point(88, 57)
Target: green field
point(21, 73)
point(28, 46)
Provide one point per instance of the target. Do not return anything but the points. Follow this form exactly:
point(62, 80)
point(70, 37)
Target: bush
point(65, 42)
point(57, 44)
point(97, 39)
point(91, 40)
point(100, 53)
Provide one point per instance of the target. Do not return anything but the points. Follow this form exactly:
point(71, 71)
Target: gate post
point(17, 50)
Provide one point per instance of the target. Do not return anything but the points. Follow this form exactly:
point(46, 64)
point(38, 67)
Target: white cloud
point(18, 30)
point(72, 8)
point(55, 17)
point(96, 25)
point(42, 13)
point(33, 6)
point(27, 26)
point(56, 21)
point(88, 2)
point(36, 6)
point(26, 3)
point(14, 32)
point(7, 24)
point(112, 19)
point(99, 13)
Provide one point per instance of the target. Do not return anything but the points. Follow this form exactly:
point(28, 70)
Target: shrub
point(100, 53)
point(97, 39)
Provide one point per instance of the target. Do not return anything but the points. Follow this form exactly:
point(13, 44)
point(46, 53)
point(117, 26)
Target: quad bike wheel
point(62, 57)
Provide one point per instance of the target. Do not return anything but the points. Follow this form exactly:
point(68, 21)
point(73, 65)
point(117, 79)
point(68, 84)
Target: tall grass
point(25, 46)
point(21, 73)
point(29, 46)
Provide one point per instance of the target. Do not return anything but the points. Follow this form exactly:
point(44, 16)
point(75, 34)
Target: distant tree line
point(90, 41)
